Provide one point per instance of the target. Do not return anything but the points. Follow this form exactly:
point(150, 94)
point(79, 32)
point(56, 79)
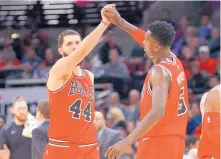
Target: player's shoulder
point(202, 102)
point(159, 72)
point(214, 93)
point(89, 72)
point(91, 75)
point(7, 127)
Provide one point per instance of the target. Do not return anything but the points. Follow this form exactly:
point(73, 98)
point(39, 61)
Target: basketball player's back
point(209, 147)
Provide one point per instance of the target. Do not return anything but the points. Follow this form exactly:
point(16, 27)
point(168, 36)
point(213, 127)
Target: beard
point(65, 55)
point(21, 118)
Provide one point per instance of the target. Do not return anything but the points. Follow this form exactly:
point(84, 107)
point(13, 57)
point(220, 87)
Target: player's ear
point(60, 50)
point(11, 109)
point(156, 47)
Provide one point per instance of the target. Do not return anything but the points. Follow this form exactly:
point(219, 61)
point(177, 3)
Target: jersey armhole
point(90, 75)
point(165, 69)
point(59, 89)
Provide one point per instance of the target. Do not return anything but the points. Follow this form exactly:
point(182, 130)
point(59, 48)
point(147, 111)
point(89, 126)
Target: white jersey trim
point(166, 69)
point(58, 145)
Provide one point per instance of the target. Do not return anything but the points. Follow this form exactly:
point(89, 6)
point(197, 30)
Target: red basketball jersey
point(210, 136)
point(175, 118)
point(72, 111)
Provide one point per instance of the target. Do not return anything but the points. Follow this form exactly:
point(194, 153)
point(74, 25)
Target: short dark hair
point(163, 32)
point(65, 33)
point(43, 107)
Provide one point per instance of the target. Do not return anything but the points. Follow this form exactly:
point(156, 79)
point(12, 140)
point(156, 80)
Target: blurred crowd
point(198, 47)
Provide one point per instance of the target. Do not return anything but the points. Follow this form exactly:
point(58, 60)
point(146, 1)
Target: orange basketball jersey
point(210, 136)
point(175, 118)
point(72, 111)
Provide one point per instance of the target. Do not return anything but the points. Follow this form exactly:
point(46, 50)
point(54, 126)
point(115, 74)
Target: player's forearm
point(126, 26)
point(149, 121)
point(87, 44)
point(137, 34)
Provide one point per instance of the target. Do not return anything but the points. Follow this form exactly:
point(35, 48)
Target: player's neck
point(164, 54)
point(77, 71)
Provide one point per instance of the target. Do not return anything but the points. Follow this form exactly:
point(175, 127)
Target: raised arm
point(114, 17)
point(66, 64)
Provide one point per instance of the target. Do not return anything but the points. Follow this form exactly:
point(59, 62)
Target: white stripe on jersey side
point(149, 88)
point(57, 140)
point(146, 139)
point(58, 145)
point(87, 145)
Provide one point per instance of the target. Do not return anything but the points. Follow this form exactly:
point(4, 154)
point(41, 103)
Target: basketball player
point(72, 133)
point(209, 147)
point(163, 104)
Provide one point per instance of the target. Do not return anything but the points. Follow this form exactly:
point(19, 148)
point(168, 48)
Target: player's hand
point(112, 15)
point(105, 18)
point(5, 153)
point(116, 150)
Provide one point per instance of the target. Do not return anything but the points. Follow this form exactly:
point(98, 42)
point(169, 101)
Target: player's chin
point(22, 118)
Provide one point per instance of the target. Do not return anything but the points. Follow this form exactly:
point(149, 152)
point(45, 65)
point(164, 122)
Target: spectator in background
point(187, 56)
point(218, 68)
point(203, 32)
point(117, 117)
point(190, 32)
point(133, 110)
point(193, 43)
point(36, 45)
point(11, 135)
point(43, 70)
point(195, 120)
point(114, 101)
point(214, 43)
point(191, 147)
point(40, 134)
point(191, 96)
point(166, 16)
point(191, 143)
point(115, 68)
point(207, 64)
point(106, 136)
point(2, 122)
point(180, 30)
point(8, 60)
point(86, 64)
point(109, 43)
point(137, 54)
point(199, 79)
point(30, 63)
point(35, 33)
point(213, 81)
